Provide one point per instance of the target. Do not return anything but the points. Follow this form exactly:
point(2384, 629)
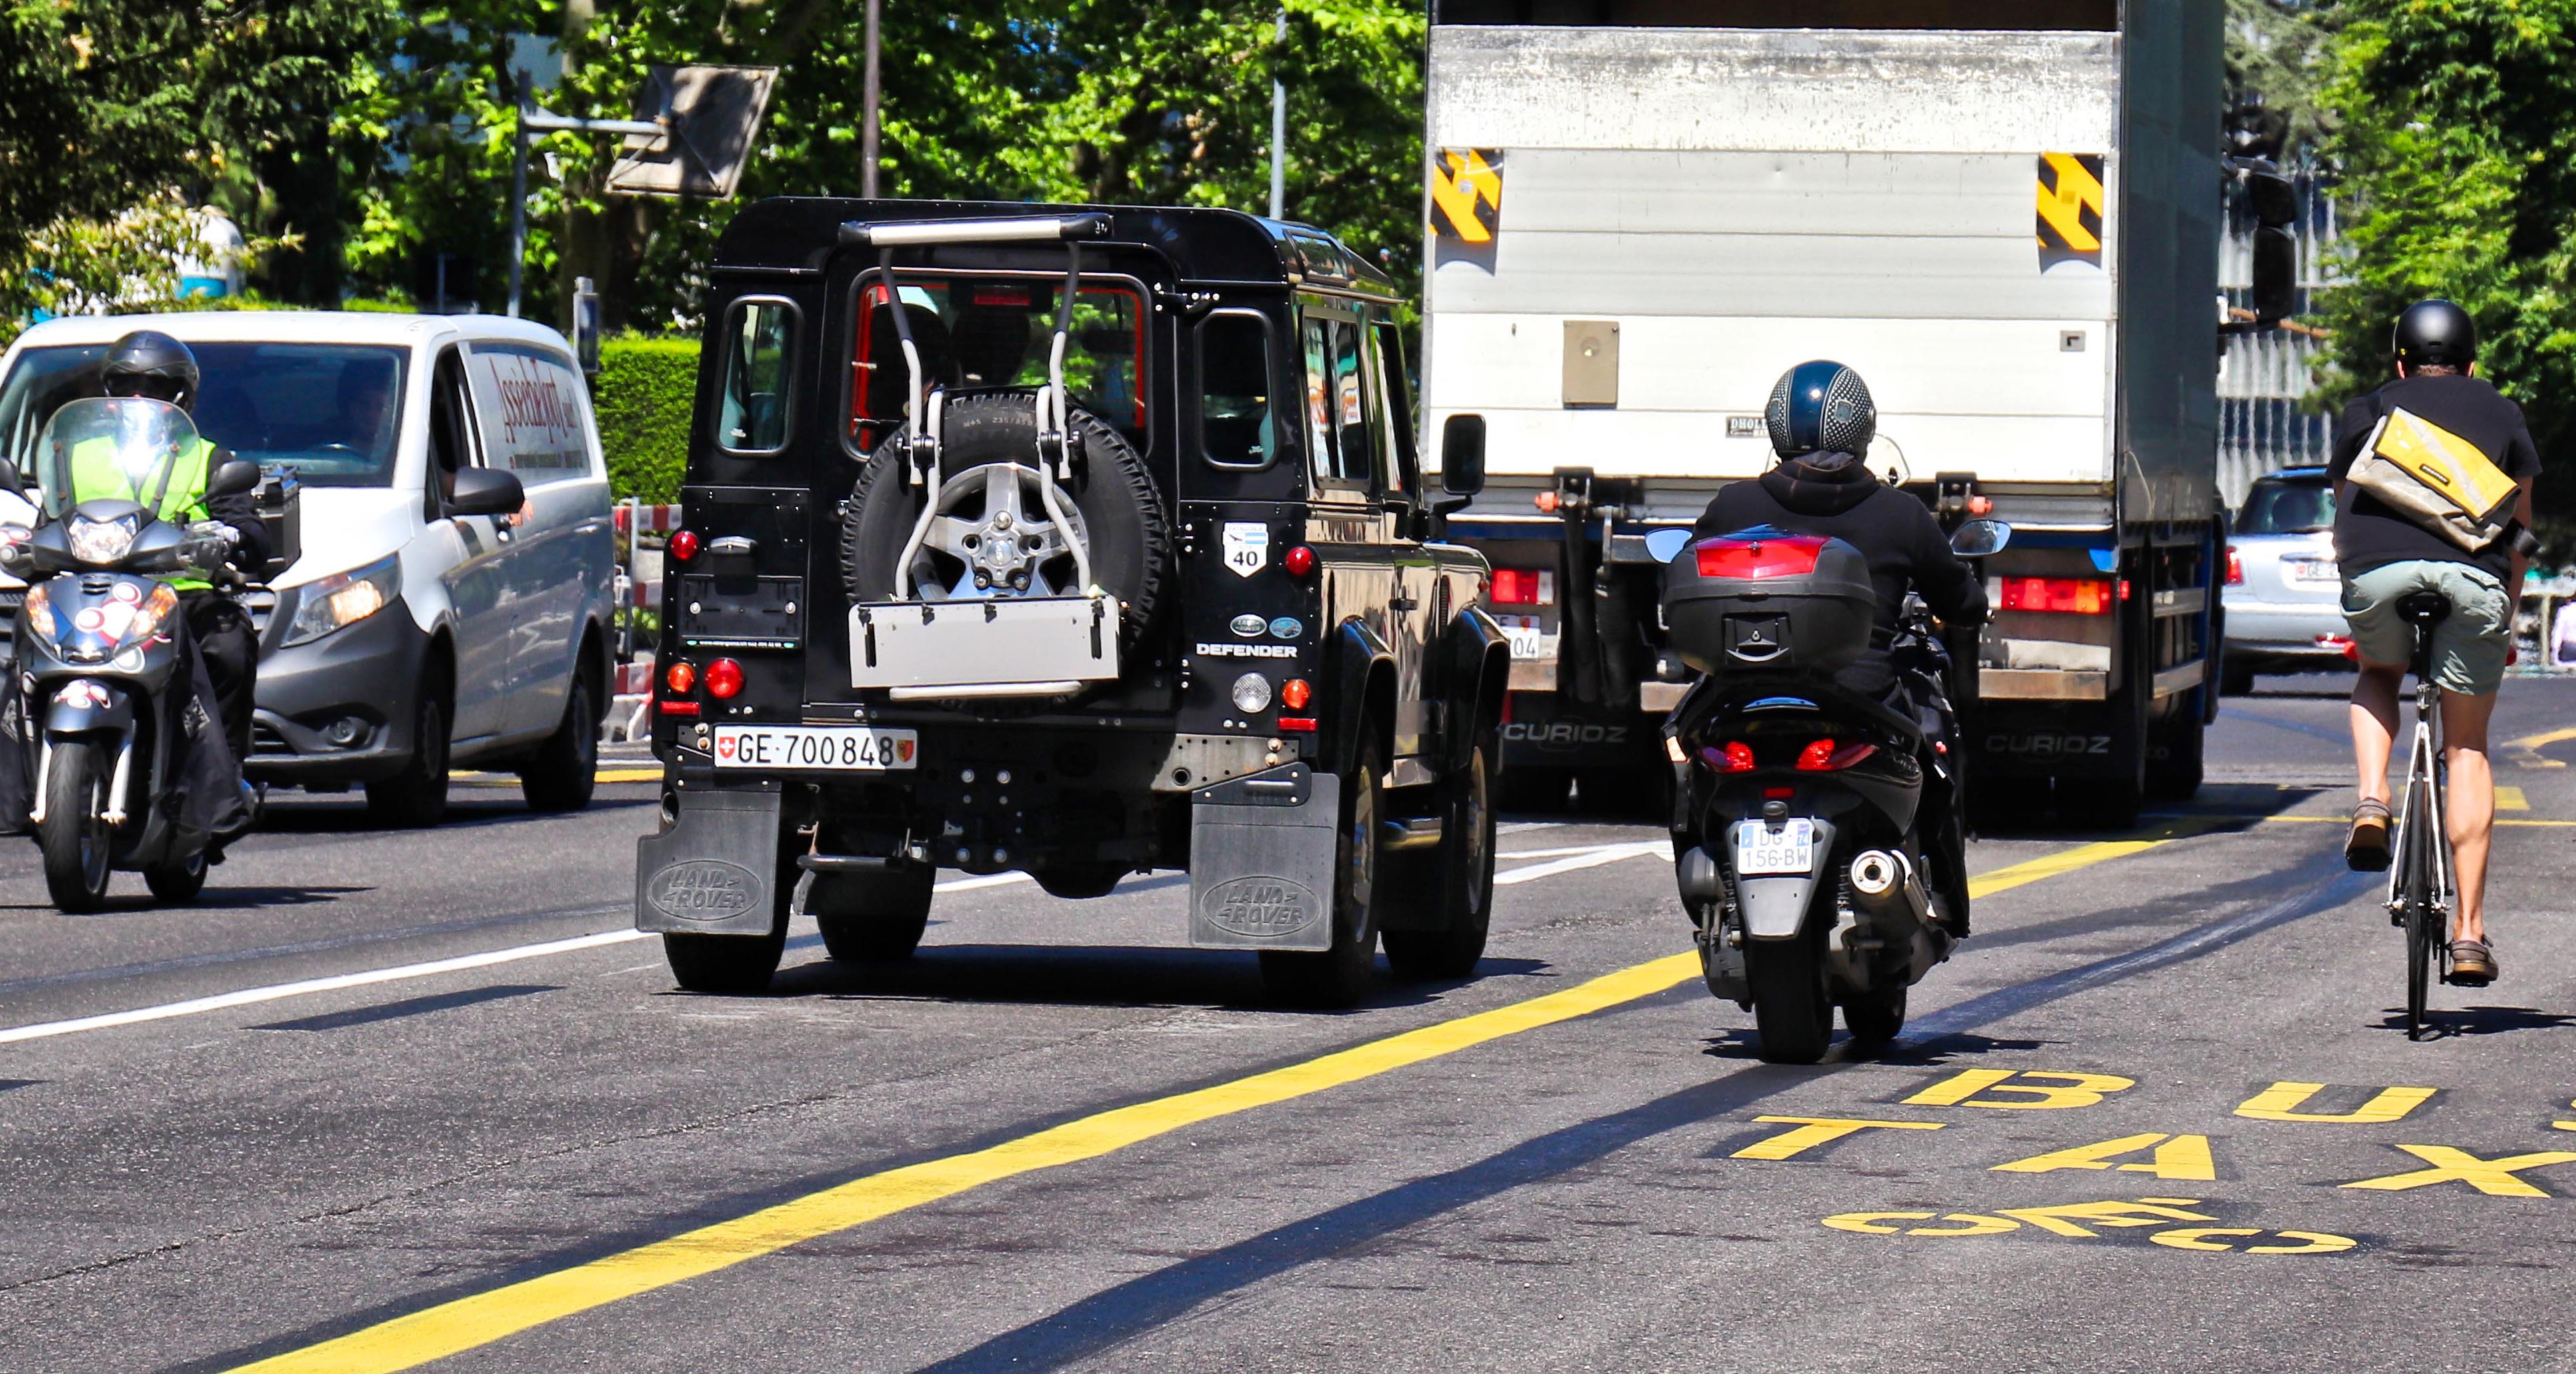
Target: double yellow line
point(463, 1324)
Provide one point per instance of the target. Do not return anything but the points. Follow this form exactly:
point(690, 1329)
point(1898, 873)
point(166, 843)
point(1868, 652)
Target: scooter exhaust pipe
point(1885, 884)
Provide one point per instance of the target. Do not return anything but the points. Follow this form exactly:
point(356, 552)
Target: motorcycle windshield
point(123, 448)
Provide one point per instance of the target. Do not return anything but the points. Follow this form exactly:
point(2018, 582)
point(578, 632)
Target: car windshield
point(2287, 508)
point(333, 411)
point(121, 448)
point(993, 333)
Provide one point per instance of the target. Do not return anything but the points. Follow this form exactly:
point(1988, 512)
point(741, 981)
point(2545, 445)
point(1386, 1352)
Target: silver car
point(2283, 596)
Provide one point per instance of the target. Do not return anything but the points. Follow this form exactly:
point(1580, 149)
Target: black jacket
point(1835, 495)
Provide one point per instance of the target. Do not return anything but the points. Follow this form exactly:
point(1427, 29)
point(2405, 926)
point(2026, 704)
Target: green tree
point(2455, 131)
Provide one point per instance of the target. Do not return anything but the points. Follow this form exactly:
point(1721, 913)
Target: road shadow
point(334, 816)
point(215, 900)
point(1745, 1044)
point(2443, 1024)
point(1096, 976)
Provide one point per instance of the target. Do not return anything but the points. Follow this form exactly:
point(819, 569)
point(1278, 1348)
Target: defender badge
point(1247, 546)
point(1287, 627)
point(1249, 625)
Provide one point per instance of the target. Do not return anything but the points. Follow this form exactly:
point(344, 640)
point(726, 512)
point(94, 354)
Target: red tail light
point(1825, 756)
point(724, 678)
point(680, 678)
point(2074, 595)
point(683, 545)
point(1299, 561)
point(1788, 557)
point(2235, 568)
point(1522, 587)
point(1736, 757)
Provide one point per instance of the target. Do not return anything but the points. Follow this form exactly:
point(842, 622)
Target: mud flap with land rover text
point(710, 872)
point(1262, 851)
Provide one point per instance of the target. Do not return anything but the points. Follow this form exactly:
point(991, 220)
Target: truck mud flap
point(711, 872)
point(1261, 860)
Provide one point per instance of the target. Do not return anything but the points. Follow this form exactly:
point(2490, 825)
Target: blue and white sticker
point(1287, 627)
point(1247, 546)
point(1248, 625)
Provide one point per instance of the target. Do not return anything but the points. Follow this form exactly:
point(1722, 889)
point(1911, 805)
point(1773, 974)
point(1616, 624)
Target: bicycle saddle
point(2423, 608)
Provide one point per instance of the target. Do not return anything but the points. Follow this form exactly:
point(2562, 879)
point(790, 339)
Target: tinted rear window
point(2287, 508)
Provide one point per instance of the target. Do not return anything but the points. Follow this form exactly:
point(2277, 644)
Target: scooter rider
point(1821, 420)
point(151, 364)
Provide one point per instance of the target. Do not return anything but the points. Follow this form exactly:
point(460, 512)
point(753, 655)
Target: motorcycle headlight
point(40, 610)
point(329, 603)
point(101, 541)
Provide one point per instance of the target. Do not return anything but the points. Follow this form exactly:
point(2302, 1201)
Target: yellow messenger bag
point(2436, 478)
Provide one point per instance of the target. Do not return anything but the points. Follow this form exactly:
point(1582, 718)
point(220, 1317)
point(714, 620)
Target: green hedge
point(644, 393)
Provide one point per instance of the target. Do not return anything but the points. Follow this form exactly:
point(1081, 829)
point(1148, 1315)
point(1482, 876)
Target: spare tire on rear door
point(994, 536)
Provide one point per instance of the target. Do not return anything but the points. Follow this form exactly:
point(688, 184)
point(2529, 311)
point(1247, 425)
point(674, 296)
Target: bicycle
point(2421, 886)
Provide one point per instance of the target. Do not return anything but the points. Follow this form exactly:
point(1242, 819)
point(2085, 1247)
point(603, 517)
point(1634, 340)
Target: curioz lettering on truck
point(2072, 248)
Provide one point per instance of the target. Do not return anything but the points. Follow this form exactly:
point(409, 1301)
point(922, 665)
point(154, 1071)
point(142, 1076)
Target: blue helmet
point(1821, 406)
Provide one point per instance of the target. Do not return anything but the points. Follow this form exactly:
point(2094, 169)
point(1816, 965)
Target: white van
point(452, 602)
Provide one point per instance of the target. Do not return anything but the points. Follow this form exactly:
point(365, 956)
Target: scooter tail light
point(1830, 756)
point(1792, 556)
point(1735, 756)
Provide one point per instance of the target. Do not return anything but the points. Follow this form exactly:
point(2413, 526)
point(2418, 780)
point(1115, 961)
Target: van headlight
point(101, 541)
point(342, 599)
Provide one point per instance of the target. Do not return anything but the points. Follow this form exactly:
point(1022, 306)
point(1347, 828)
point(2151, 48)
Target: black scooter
point(1818, 833)
point(109, 690)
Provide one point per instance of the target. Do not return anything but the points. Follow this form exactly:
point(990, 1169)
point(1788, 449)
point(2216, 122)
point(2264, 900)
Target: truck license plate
point(844, 748)
point(1759, 849)
point(1529, 642)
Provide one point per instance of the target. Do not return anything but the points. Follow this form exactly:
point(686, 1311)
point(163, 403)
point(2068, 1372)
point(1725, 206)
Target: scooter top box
point(1765, 600)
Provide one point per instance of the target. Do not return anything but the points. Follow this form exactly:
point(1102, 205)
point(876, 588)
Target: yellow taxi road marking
point(2176, 1156)
point(2076, 1220)
point(1812, 1131)
point(2281, 1102)
point(466, 1323)
point(2498, 1177)
point(275, 992)
point(2527, 749)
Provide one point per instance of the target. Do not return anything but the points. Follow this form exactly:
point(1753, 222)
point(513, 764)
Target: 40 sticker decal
point(2167, 1221)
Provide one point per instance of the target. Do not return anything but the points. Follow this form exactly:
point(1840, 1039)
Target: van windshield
point(333, 411)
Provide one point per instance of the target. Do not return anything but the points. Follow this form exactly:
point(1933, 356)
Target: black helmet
point(2436, 333)
point(150, 363)
point(1821, 405)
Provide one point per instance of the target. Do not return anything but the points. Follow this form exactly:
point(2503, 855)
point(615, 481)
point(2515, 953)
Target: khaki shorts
point(2469, 645)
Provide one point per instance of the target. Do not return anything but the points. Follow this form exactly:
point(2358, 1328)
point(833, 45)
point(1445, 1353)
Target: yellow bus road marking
point(463, 1324)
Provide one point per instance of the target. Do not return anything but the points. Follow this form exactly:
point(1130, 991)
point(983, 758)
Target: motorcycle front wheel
point(1791, 1006)
point(74, 836)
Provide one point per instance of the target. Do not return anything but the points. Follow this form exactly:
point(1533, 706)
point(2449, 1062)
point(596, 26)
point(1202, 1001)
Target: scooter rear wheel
point(177, 880)
point(75, 838)
point(1790, 1005)
point(1875, 1017)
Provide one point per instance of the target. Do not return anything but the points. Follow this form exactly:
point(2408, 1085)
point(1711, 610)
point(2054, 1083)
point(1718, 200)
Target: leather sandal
point(2473, 965)
point(2365, 846)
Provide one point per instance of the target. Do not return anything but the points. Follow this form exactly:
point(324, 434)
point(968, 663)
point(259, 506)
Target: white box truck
point(2005, 213)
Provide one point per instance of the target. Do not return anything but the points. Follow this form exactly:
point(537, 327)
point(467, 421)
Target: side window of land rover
point(1238, 428)
point(1339, 409)
point(759, 366)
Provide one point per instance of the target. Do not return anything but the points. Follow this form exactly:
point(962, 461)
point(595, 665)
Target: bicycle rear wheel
point(2417, 892)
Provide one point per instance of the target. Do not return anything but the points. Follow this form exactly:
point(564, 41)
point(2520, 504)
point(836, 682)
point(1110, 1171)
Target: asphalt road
point(378, 1102)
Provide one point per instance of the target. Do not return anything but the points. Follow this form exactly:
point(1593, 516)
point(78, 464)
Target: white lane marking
point(1568, 864)
point(280, 991)
point(1560, 852)
point(1516, 827)
point(1587, 857)
point(988, 880)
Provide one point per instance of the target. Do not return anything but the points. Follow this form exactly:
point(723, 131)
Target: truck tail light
point(1794, 556)
point(1828, 756)
point(1523, 587)
point(2073, 595)
point(2235, 567)
point(724, 679)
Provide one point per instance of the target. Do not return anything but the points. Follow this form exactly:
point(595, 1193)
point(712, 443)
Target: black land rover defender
point(1072, 540)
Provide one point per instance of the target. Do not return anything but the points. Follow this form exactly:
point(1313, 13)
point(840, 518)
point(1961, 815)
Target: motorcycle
point(1819, 841)
point(130, 771)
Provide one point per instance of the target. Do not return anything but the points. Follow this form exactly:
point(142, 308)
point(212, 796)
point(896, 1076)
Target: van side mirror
point(485, 491)
point(234, 478)
point(1462, 455)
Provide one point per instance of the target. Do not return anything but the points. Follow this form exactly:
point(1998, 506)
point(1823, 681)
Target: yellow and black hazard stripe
point(2070, 208)
point(1466, 204)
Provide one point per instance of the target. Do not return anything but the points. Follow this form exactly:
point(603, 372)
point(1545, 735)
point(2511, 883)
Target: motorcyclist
point(151, 364)
point(1821, 420)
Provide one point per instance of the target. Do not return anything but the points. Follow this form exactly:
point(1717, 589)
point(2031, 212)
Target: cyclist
point(2385, 555)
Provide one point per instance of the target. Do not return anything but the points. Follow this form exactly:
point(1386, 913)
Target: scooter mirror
point(1665, 545)
point(1977, 538)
